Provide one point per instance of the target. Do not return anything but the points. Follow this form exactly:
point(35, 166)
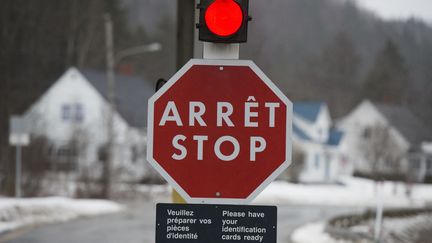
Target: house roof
point(132, 94)
point(300, 133)
point(308, 110)
point(401, 118)
point(334, 139)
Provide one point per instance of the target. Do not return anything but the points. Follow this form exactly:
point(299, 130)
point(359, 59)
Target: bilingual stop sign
point(219, 131)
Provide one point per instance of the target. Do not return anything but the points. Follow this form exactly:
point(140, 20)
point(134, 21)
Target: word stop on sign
point(225, 112)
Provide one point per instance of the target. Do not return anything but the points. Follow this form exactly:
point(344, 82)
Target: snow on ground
point(313, 233)
point(406, 229)
point(355, 192)
point(352, 192)
point(15, 213)
point(153, 190)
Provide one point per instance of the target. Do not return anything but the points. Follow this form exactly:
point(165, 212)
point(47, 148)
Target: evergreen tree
point(333, 74)
point(339, 65)
point(388, 79)
point(340, 61)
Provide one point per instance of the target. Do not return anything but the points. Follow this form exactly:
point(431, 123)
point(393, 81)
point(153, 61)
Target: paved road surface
point(137, 225)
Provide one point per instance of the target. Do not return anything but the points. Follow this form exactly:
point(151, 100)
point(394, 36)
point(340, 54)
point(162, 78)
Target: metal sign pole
point(18, 137)
point(18, 172)
point(379, 213)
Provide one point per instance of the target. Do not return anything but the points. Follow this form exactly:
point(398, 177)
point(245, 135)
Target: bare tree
point(31, 59)
point(380, 149)
point(388, 80)
point(37, 161)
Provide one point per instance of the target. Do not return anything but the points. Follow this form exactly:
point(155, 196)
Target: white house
point(75, 108)
point(406, 133)
point(320, 143)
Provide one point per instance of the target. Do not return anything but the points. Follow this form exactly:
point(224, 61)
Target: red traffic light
point(223, 21)
point(224, 17)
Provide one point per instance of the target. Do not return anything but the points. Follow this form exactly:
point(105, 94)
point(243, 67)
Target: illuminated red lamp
point(224, 17)
point(223, 21)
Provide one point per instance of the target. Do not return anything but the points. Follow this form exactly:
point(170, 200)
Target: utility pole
point(111, 61)
point(111, 85)
point(185, 31)
point(186, 40)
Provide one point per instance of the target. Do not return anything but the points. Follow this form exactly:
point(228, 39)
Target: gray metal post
point(379, 213)
point(18, 172)
point(423, 168)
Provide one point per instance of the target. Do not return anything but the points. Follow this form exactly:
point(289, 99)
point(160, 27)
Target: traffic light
point(223, 21)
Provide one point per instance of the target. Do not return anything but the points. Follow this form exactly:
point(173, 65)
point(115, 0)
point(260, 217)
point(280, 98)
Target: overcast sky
point(400, 8)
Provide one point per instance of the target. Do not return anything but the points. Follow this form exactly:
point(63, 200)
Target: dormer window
point(72, 112)
point(320, 132)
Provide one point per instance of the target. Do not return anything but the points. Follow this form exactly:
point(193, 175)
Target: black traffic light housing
point(239, 36)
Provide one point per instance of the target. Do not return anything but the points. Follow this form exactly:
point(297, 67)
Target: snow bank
point(15, 213)
point(405, 229)
point(351, 192)
point(402, 229)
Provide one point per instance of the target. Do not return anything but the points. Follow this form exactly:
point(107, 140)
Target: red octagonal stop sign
point(219, 131)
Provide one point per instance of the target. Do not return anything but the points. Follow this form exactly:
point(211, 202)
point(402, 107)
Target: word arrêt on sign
point(219, 131)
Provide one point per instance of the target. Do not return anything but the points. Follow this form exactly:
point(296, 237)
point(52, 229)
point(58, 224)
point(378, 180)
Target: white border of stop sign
point(221, 63)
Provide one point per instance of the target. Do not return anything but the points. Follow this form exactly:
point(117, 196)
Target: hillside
point(286, 35)
point(288, 38)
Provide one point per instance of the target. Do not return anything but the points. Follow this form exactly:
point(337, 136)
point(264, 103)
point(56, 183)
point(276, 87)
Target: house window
point(79, 114)
point(317, 161)
point(415, 163)
point(367, 132)
point(66, 112)
point(103, 153)
point(66, 153)
point(72, 113)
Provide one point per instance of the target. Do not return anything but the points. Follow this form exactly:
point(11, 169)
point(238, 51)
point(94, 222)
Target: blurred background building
point(328, 56)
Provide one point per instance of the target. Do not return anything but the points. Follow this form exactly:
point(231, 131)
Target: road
point(137, 225)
